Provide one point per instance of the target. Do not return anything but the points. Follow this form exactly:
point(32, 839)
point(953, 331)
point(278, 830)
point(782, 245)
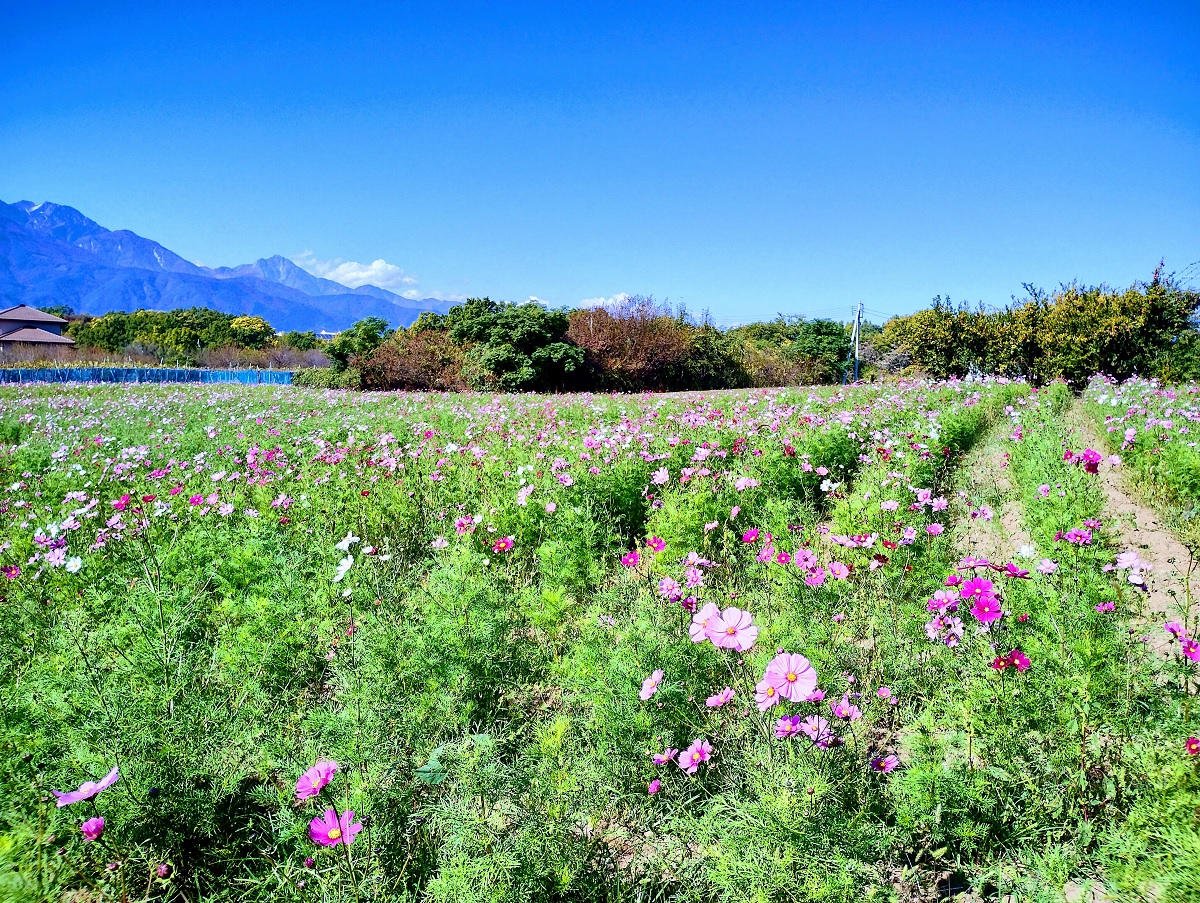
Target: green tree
point(359, 340)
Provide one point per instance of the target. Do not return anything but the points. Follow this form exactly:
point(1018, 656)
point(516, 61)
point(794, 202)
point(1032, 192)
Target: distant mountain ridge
point(52, 254)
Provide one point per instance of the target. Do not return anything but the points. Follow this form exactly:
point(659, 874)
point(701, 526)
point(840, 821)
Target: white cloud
point(618, 298)
point(353, 274)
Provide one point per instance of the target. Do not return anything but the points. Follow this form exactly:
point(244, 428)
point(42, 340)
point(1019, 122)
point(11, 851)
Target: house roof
point(31, 335)
point(29, 315)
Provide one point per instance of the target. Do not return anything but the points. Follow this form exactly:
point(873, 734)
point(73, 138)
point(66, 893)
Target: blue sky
point(748, 158)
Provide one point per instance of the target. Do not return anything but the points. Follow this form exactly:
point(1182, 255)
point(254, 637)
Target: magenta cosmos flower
point(503, 544)
point(987, 609)
point(631, 559)
point(92, 828)
point(314, 780)
point(791, 675)
point(87, 790)
point(654, 787)
point(709, 614)
point(656, 544)
point(692, 757)
point(1192, 745)
point(329, 830)
point(650, 685)
point(787, 726)
point(884, 763)
point(665, 756)
point(735, 630)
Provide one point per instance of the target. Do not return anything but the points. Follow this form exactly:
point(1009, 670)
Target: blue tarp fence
point(143, 375)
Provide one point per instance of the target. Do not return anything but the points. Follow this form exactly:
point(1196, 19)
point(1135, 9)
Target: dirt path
point(1142, 530)
point(984, 477)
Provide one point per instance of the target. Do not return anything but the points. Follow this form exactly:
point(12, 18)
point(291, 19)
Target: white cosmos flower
point(74, 564)
point(343, 566)
point(345, 544)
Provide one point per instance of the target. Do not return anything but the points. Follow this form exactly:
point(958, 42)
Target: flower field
point(883, 642)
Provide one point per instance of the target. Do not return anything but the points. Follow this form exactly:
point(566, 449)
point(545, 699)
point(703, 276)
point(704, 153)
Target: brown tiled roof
point(31, 335)
point(30, 314)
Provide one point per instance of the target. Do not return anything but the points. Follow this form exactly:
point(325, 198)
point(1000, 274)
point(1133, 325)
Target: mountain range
point(51, 254)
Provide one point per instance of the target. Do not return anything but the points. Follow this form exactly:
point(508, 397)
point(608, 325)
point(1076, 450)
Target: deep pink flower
point(987, 609)
point(1192, 745)
point(650, 685)
point(656, 544)
point(792, 675)
point(87, 790)
point(1190, 648)
point(692, 757)
point(631, 559)
point(750, 535)
point(329, 830)
point(314, 779)
point(92, 828)
point(654, 787)
point(665, 756)
point(1175, 629)
point(884, 763)
point(1019, 659)
point(503, 544)
point(735, 631)
point(815, 576)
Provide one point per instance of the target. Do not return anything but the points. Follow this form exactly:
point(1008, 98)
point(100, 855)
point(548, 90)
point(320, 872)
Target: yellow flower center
point(730, 631)
point(791, 676)
point(770, 691)
point(335, 834)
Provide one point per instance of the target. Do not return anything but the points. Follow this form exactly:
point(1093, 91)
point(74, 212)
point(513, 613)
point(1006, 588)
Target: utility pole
point(857, 337)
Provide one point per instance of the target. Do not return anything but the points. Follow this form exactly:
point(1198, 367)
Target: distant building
point(22, 325)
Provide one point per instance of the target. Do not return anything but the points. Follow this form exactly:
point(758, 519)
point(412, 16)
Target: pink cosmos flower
point(750, 535)
point(845, 709)
point(92, 828)
point(329, 830)
point(631, 559)
point(654, 786)
point(1175, 629)
point(838, 571)
point(691, 758)
point(817, 729)
point(314, 780)
point(1019, 660)
point(765, 695)
point(935, 529)
point(815, 576)
point(1192, 746)
point(883, 692)
point(884, 764)
point(704, 622)
point(719, 699)
point(783, 558)
point(792, 676)
point(660, 476)
point(650, 685)
point(503, 544)
point(665, 756)
point(1047, 567)
point(87, 790)
point(787, 726)
point(656, 544)
point(736, 630)
point(804, 559)
point(815, 696)
point(669, 589)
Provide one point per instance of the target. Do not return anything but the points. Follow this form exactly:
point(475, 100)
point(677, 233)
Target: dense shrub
point(415, 359)
point(1070, 334)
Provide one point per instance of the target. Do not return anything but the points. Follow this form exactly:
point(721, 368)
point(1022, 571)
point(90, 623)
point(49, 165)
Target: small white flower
point(343, 567)
point(1026, 551)
point(74, 563)
point(345, 544)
